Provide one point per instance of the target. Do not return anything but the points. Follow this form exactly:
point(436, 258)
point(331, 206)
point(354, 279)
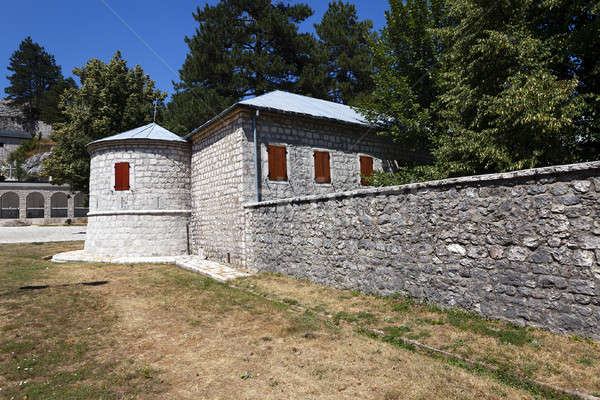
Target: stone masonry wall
point(149, 219)
point(302, 136)
point(217, 215)
point(159, 177)
point(521, 246)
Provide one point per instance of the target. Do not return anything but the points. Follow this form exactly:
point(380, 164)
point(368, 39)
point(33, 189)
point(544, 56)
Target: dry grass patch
point(155, 331)
point(564, 361)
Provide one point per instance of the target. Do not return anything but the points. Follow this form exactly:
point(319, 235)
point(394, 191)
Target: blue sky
point(77, 30)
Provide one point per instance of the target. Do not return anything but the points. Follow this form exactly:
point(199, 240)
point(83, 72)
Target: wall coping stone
point(525, 173)
point(138, 212)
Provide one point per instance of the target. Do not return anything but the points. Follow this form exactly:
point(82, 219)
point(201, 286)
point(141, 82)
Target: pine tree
point(34, 74)
point(113, 98)
point(345, 43)
point(242, 48)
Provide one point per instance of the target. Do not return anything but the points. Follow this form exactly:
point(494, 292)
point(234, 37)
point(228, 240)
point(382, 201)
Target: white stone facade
point(149, 219)
point(223, 171)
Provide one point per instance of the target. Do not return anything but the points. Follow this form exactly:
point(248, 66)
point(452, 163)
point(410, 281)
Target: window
point(277, 163)
point(366, 168)
point(322, 172)
point(122, 176)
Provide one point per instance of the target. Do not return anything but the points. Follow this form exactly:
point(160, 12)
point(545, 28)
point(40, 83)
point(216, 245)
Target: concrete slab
point(212, 269)
point(30, 234)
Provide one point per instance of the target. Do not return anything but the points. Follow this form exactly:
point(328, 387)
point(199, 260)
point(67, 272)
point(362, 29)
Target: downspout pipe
point(256, 150)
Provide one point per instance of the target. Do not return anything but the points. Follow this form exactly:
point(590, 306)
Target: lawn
point(158, 332)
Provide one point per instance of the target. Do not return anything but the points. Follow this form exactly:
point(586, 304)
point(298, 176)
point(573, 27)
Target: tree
point(511, 96)
point(50, 111)
point(243, 48)
point(34, 74)
point(113, 98)
point(406, 73)
point(347, 55)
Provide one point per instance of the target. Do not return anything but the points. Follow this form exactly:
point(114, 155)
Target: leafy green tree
point(406, 73)
point(113, 98)
point(344, 40)
point(242, 48)
point(34, 74)
point(511, 95)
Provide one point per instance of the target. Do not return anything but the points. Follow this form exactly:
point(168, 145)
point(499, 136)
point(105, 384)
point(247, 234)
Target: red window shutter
point(122, 176)
point(322, 170)
point(277, 163)
point(366, 168)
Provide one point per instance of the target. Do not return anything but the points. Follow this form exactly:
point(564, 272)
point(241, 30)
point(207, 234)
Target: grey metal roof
point(14, 134)
point(290, 103)
point(298, 104)
point(152, 131)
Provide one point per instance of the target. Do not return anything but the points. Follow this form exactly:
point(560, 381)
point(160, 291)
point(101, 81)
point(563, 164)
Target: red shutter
point(277, 163)
point(366, 168)
point(122, 176)
point(322, 170)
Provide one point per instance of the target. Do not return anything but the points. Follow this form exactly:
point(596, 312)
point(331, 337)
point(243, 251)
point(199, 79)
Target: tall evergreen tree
point(243, 48)
point(113, 98)
point(406, 72)
point(50, 111)
point(345, 42)
point(34, 74)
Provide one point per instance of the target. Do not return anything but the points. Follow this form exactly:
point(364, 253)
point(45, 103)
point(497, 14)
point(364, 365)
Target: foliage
point(404, 175)
point(344, 40)
point(113, 98)
point(406, 72)
point(241, 48)
point(50, 111)
point(503, 105)
point(34, 75)
point(488, 86)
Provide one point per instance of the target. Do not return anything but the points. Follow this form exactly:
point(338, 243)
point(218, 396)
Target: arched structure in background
point(81, 202)
point(35, 205)
point(59, 204)
point(9, 206)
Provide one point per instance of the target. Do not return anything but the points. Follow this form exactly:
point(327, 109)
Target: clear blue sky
point(77, 30)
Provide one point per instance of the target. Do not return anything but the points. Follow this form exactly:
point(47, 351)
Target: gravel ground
point(28, 234)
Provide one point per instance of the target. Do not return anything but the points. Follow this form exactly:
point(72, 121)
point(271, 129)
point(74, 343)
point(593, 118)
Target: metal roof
point(152, 131)
point(298, 104)
point(14, 134)
point(290, 103)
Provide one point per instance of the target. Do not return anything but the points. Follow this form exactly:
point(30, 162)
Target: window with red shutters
point(277, 163)
point(366, 168)
point(122, 176)
point(322, 171)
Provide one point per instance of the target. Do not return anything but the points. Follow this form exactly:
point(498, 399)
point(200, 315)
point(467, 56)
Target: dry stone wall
point(522, 246)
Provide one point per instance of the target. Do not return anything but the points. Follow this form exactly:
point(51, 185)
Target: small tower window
point(122, 176)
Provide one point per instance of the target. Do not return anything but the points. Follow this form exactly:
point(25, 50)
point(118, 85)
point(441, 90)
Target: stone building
point(155, 193)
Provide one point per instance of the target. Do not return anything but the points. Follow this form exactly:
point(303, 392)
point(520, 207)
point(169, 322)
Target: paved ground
point(213, 269)
point(28, 234)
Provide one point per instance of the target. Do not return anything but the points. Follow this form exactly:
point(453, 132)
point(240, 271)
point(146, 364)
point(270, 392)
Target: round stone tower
point(139, 194)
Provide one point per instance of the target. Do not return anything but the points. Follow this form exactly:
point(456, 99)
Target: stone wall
point(217, 193)
point(159, 176)
point(521, 246)
point(302, 136)
point(11, 209)
point(149, 219)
